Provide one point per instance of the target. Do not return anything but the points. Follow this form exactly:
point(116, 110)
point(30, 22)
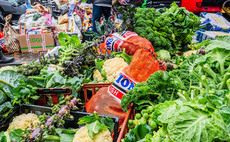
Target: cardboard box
point(36, 42)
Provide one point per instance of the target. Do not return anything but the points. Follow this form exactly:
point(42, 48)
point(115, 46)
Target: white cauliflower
point(97, 74)
point(112, 67)
point(23, 121)
point(83, 136)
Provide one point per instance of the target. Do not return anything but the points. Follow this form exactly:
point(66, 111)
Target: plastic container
point(93, 86)
point(69, 123)
point(3, 121)
point(53, 92)
point(124, 128)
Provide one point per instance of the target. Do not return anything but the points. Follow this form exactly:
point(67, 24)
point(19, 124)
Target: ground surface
point(21, 58)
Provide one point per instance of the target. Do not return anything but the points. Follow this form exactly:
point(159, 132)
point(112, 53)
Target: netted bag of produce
point(107, 100)
point(128, 40)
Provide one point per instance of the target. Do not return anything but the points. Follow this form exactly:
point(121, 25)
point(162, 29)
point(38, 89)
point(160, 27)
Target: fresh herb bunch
point(103, 30)
point(30, 69)
point(127, 13)
point(83, 64)
point(48, 60)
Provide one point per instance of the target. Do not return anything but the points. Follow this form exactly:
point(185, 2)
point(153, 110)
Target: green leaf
point(94, 128)
point(138, 133)
point(99, 64)
point(10, 79)
point(35, 97)
point(191, 122)
point(25, 91)
point(15, 135)
point(2, 137)
point(5, 106)
point(3, 97)
point(108, 122)
point(89, 118)
point(63, 38)
point(65, 135)
point(55, 80)
point(75, 40)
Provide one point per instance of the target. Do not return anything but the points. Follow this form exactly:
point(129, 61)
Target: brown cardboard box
point(36, 42)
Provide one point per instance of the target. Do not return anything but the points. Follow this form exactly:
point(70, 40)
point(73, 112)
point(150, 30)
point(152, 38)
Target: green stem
point(195, 87)
point(222, 69)
point(205, 82)
point(208, 70)
point(228, 84)
point(2, 81)
point(36, 78)
point(52, 137)
point(224, 81)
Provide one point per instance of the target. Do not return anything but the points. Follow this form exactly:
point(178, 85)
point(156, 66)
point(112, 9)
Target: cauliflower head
point(23, 121)
point(83, 136)
point(112, 67)
point(97, 74)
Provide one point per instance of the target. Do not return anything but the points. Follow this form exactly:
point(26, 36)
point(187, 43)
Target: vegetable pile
point(190, 103)
point(31, 127)
point(171, 30)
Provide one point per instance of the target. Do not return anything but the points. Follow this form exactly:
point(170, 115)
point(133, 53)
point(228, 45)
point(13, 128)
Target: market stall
point(147, 75)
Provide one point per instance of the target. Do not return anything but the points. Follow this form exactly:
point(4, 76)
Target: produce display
point(171, 29)
point(32, 127)
point(161, 83)
point(190, 103)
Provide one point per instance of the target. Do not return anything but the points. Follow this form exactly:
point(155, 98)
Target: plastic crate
point(93, 86)
point(53, 92)
point(3, 121)
point(69, 123)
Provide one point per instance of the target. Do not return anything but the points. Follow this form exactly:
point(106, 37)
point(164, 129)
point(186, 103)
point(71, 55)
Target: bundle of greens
point(171, 30)
point(78, 59)
point(127, 13)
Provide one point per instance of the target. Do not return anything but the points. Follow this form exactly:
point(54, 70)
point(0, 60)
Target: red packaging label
point(121, 86)
point(128, 34)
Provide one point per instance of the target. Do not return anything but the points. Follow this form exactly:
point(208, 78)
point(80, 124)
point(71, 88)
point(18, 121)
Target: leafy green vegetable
point(194, 122)
point(163, 55)
point(123, 55)
point(138, 133)
point(95, 123)
point(5, 106)
point(159, 87)
point(15, 135)
point(3, 97)
point(171, 30)
point(65, 134)
point(2, 137)
point(94, 128)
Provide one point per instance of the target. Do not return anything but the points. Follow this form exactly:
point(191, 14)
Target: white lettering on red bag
point(128, 34)
point(121, 86)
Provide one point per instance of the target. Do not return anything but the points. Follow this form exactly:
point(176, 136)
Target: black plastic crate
point(161, 3)
point(4, 120)
point(69, 123)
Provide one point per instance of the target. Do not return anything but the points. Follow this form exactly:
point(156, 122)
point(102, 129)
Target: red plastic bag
point(107, 100)
point(129, 41)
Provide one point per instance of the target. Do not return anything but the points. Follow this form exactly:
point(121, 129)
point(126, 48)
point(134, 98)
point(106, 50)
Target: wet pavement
point(21, 58)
